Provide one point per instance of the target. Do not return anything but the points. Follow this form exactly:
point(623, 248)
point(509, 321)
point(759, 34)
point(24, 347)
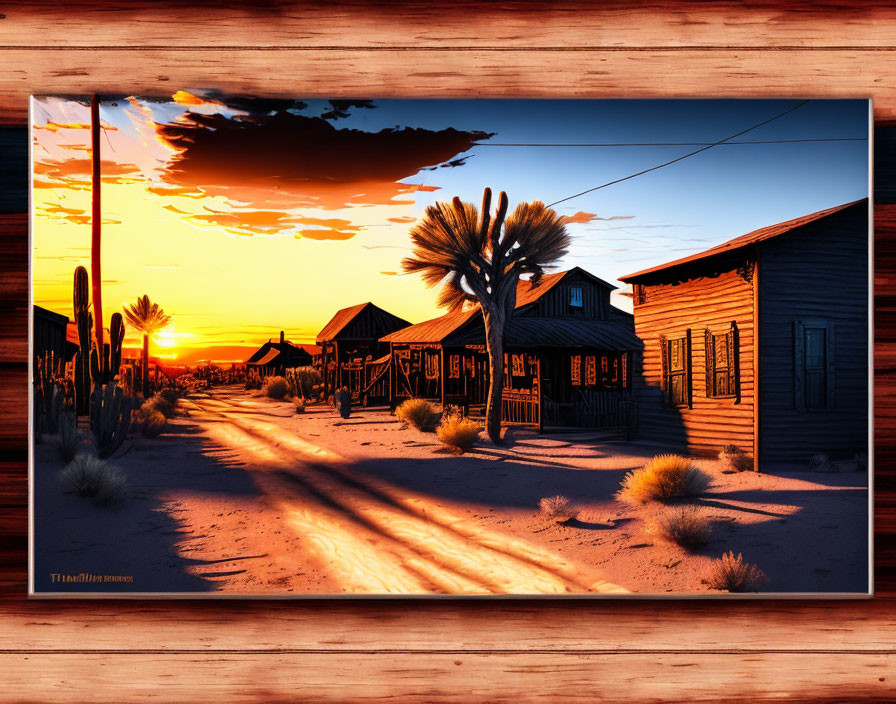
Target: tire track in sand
point(406, 543)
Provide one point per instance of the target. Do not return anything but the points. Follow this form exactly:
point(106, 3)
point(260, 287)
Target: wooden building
point(568, 356)
point(351, 350)
point(274, 358)
point(49, 334)
point(761, 342)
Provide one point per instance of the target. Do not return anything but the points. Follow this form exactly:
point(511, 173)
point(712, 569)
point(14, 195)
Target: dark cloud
point(295, 160)
point(342, 108)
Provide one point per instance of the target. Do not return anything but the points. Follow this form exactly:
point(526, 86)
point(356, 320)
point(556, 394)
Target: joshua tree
point(148, 318)
point(479, 258)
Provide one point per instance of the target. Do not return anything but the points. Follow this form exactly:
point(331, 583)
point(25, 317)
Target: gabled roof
point(344, 317)
point(271, 350)
point(434, 330)
point(523, 331)
point(438, 329)
point(526, 293)
point(760, 235)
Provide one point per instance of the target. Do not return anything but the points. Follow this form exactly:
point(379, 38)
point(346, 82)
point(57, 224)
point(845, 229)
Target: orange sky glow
point(231, 256)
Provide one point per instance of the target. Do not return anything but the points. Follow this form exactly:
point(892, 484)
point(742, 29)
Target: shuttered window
point(677, 370)
point(813, 364)
point(723, 363)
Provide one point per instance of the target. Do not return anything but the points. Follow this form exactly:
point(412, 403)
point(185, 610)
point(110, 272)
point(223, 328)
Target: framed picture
point(304, 347)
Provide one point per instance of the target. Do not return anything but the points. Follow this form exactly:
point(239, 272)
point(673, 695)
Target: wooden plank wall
point(804, 275)
point(670, 310)
point(444, 650)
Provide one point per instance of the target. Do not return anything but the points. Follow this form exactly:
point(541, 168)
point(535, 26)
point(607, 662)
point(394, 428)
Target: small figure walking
point(343, 401)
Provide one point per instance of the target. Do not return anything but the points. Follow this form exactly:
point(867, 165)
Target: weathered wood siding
point(555, 303)
point(820, 272)
point(671, 309)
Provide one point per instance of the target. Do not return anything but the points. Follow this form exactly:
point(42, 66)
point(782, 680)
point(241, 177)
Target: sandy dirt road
point(320, 527)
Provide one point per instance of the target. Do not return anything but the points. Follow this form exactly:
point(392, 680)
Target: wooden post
point(442, 373)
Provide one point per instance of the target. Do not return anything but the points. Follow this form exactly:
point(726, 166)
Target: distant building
point(568, 356)
point(273, 358)
point(761, 342)
point(50, 335)
point(351, 348)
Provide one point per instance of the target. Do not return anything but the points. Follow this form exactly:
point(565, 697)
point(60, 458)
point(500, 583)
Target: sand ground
point(243, 495)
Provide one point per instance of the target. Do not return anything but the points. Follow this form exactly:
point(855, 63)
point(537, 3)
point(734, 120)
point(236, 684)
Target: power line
point(685, 156)
point(668, 144)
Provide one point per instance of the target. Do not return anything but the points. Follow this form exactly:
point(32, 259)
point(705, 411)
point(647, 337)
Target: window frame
point(731, 333)
point(686, 372)
point(800, 328)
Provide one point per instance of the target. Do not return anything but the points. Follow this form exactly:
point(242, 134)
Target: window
point(723, 364)
point(677, 370)
point(813, 379)
point(575, 297)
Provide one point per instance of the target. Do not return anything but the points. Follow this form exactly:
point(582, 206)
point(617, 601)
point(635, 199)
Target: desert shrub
point(161, 403)
point(684, 526)
point(150, 420)
point(734, 459)
point(275, 387)
point(303, 381)
point(557, 508)
point(733, 574)
point(66, 439)
point(172, 396)
point(822, 463)
point(664, 477)
point(457, 432)
point(91, 477)
point(417, 412)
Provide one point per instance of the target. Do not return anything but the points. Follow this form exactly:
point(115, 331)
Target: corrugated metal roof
point(434, 330)
point(556, 332)
point(760, 235)
point(438, 329)
point(340, 320)
point(271, 355)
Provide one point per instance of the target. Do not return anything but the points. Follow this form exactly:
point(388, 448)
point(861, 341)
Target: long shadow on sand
point(139, 537)
point(485, 481)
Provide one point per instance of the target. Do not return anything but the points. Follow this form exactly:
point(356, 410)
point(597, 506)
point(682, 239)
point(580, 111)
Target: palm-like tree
point(148, 318)
point(479, 258)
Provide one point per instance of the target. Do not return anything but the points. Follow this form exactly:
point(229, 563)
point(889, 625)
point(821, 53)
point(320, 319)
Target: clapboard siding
point(670, 309)
point(818, 271)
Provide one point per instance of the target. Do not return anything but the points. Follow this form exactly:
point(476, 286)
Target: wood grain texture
point(445, 650)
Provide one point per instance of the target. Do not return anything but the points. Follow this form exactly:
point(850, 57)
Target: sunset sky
point(242, 217)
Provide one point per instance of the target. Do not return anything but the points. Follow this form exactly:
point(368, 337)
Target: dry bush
point(685, 526)
point(149, 420)
point(417, 412)
point(732, 573)
point(91, 477)
point(664, 477)
point(557, 508)
point(734, 459)
point(172, 396)
point(457, 432)
point(162, 404)
point(275, 387)
point(822, 463)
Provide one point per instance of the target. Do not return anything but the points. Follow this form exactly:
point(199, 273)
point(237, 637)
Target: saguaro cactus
point(110, 418)
point(83, 322)
point(116, 339)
